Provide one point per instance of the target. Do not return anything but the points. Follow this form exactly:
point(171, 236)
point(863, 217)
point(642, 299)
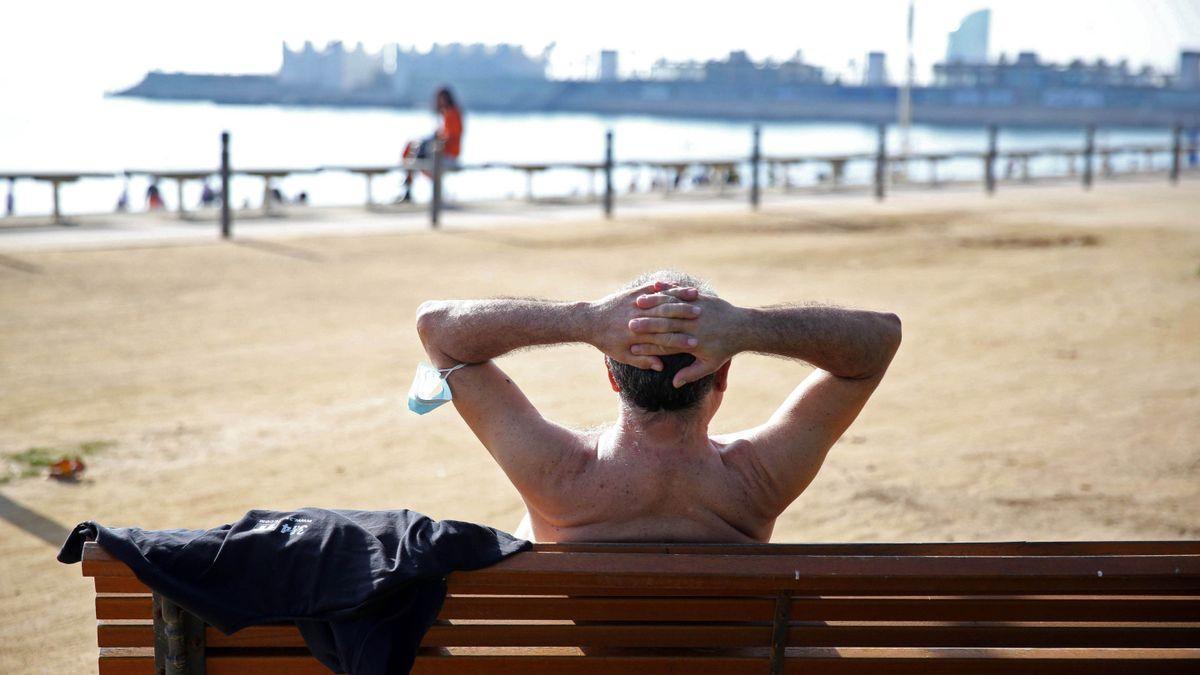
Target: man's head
point(652, 390)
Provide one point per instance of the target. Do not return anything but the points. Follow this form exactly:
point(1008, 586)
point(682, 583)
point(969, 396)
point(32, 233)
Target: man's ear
point(611, 380)
point(721, 377)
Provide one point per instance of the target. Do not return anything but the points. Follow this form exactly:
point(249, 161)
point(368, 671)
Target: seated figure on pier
point(450, 135)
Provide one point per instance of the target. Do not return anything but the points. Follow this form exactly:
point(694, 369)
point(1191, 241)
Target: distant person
point(1194, 146)
point(154, 200)
point(302, 198)
point(667, 341)
point(208, 196)
point(450, 134)
point(10, 201)
point(123, 198)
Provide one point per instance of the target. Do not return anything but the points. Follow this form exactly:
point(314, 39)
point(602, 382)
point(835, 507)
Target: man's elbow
point(892, 330)
point(430, 317)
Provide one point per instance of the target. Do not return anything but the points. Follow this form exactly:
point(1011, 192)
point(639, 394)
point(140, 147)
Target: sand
point(1048, 386)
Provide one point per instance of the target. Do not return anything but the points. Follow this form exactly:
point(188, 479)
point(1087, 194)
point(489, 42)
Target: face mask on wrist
point(430, 388)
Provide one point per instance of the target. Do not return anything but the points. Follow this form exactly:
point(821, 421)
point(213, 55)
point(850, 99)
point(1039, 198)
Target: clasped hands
point(639, 325)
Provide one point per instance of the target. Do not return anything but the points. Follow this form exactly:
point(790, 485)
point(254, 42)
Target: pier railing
point(670, 175)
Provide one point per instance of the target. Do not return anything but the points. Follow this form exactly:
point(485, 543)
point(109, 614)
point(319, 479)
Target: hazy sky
point(53, 49)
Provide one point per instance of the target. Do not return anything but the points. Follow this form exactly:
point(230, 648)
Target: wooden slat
point(125, 584)
point(680, 664)
point(1020, 608)
point(94, 556)
point(125, 633)
point(290, 662)
point(892, 634)
point(493, 635)
point(996, 635)
point(862, 661)
point(126, 661)
point(280, 635)
point(607, 609)
point(777, 568)
point(1024, 608)
point(1011, 548)
point(884, 586)
point(110, 606)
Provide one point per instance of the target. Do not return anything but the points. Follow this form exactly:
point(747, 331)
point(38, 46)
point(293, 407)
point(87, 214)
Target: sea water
point(112, 135)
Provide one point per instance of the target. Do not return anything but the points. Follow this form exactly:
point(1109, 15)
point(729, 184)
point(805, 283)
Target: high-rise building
point(969, 44)
point(608, 65)
point(876, 73)
point(1189, 70)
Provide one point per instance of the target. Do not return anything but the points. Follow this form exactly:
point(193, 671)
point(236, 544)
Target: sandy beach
point(1048, 387)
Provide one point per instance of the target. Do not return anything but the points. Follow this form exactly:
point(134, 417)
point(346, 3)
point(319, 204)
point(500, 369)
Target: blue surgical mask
point(430, 388)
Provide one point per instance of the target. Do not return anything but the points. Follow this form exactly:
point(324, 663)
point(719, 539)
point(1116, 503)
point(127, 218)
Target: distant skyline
point(74, 48)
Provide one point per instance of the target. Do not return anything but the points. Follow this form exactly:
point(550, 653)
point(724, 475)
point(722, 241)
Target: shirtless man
point(656, 474)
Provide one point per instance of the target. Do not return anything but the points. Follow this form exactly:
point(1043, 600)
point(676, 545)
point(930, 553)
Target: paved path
point(164, 229)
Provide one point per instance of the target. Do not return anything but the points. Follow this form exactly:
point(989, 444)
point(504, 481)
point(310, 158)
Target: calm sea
point(112, 135)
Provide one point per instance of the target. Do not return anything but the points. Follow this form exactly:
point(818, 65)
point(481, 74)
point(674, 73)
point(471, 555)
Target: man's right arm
point(851, 350)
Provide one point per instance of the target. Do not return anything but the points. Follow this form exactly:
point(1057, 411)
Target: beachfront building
point(453, 63)
point(333, 68)
point(608, 65)
point(1028, 72)
point(969, 43)
point(1189, 70)
point(876, 73)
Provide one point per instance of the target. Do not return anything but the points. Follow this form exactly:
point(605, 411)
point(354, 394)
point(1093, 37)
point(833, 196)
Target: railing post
point(1089, 149)
point(58, 219)
point(608, 174)
point(989, 160)
point(1176, 152)
point(226, 212)
point(435, 204)
point(755, 159)
point(881, 162)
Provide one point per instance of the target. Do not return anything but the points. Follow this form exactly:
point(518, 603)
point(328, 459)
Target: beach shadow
point(19, 265)
point(280, 249)
point(34, 523)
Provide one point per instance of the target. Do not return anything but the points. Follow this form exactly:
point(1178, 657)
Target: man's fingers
point(672, 343)
point(674, 310)
point(649, 300)
point(691, 373)
point(656, 286)
point(686, 293)
point(646, 362)
point(659, 325)
point(651, 348)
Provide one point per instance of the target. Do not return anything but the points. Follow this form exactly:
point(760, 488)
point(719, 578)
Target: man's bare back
point(656, 474)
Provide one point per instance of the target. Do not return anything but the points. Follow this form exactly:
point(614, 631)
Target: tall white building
point(608, 65)
point(969, 44)
point(876, 74)
point(1189, 69)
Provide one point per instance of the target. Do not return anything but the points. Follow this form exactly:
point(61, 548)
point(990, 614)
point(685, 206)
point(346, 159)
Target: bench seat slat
point(126, 661)
point(110, 606)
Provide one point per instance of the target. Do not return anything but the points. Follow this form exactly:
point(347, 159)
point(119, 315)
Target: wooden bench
point(1095, 607)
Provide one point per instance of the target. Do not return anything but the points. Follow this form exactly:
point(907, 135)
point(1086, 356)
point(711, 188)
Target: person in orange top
point(450, 134)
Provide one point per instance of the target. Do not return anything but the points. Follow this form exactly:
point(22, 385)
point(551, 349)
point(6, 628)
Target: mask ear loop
point(446, 371)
